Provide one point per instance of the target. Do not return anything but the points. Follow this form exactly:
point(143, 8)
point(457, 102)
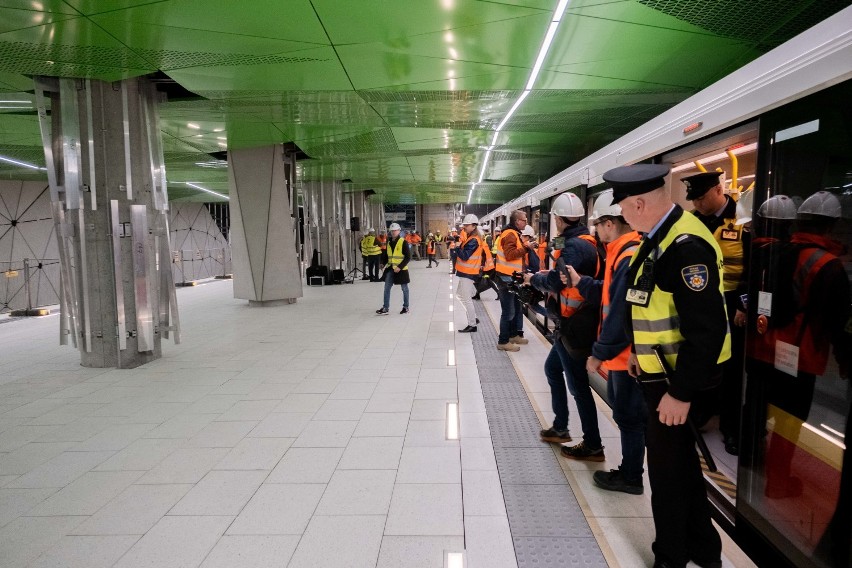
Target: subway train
point(780, 131)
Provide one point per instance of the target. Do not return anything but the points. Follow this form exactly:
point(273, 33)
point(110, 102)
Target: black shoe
point(708, 564)
point(583, 452)
point(732, 445)
point(663, 563)
point(475, 297)
point(477, 320)
point(382, 311)
point(613, 480)
point(365, 278)
point(555, 436)
point(468, 329)
point(404, 311)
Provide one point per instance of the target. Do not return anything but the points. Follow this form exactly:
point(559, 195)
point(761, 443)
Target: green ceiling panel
point(401, 97)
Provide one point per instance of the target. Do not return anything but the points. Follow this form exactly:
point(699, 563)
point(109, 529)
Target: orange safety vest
point(383, 242)
point(472, 265)
point(570, 299)
point(507, 267)
point(809, 336)
point(542, 252)
point(430, 247)
point(621, 249)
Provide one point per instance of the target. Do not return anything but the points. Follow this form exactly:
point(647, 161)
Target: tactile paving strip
point(548, 527)
point(550, 552)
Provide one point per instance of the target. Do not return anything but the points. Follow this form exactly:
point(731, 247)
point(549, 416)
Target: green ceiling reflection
point(401, 97)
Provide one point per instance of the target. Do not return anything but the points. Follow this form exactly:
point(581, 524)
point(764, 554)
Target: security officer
point(677, 309)
point(718, 212)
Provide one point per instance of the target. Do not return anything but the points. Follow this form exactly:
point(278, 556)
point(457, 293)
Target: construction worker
point(439, 244)
point(469, 258)
point(430, 250)
point(531, 261)
point(415, 242)
point(452, 243)
point(510, 260)
point(680, 339)
point(542, 250)
point(371, 252)
point(612, 346)
point(718, 212)
point(578, 326)
point(396, 259)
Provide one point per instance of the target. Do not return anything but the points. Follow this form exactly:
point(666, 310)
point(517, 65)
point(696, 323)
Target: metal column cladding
point(116, 231)
point(142, 298)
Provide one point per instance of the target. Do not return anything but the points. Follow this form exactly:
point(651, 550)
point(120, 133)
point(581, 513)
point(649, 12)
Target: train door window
point(795, 472)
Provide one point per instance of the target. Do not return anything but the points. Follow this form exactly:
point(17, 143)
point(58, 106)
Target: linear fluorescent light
point(469, 195)
point(22, 164)
point(16, 103)
point(837, 443)
point(548, 39)
point(199, 188)
point(193, 126)
point(452, 421)
point(832, 430)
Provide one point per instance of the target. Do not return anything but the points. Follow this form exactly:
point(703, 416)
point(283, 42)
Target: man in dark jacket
point(395, 258)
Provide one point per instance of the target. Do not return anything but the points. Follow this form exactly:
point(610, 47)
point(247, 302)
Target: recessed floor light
point(451, 358)
point(451, 308)
point(455, 560)
point(453, 422)
point(450, 326)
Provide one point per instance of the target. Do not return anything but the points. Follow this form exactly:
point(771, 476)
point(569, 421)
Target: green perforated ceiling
point(400, 96)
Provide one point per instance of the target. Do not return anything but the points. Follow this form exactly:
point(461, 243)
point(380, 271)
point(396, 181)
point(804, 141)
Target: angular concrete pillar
point(267, 270)
point(110, 209)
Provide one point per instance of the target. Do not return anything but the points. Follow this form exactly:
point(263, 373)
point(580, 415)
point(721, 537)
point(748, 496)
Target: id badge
point(638, 297)
point(730, 235)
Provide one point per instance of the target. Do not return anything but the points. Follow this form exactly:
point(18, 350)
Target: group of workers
point(656, 303)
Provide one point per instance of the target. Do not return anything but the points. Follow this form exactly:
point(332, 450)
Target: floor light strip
point(452, 421)
point(451, 357)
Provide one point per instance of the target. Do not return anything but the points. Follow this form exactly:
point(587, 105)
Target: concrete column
point(110, 209)
point(267, 271)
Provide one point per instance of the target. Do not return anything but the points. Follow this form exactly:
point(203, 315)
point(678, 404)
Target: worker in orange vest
point(469, 259)
point(611, 350)
point(430, 250)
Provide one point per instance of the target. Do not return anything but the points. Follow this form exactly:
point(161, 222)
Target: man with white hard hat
point(395, 258)
point(509, 259)
point(532, 260)
point(611, 349)
point(577, 330)
point(470, 254)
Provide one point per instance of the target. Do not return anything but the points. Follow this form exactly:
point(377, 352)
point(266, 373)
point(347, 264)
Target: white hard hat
point(778, 207)
point(394, 227)
point(821, 203)
point(744, 207)
point(604, 207)
point(528, 231)
point(568, 205)
point(470, 219)
point(372, 231)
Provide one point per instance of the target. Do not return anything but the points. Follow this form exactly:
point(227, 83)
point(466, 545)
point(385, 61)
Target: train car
point(780, 131)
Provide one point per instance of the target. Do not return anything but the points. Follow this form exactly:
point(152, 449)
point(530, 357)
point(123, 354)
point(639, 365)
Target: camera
point(557, 243)
point(526, 294)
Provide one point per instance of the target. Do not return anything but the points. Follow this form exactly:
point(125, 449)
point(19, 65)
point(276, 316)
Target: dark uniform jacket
point(702, 315)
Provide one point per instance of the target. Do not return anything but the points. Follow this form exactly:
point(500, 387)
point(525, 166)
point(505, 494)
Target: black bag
point(579, 332)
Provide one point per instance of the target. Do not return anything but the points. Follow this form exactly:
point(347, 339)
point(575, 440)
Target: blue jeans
point(630, 412)
point(557, 367)
point(511, 316)
point(389, 285)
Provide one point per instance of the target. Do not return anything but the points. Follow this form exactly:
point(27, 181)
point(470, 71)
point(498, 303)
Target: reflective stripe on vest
point(396, 254)
point(472, 265)
point(503, 266)
point(570, 299)
point(658, 323)
point(732, 255)
point(618, 251)
point(369, 247)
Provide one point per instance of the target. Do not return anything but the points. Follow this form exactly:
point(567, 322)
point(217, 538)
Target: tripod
point(353, 274)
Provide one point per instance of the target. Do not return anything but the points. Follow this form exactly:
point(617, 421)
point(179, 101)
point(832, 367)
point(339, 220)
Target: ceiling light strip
point(22, 164)
point(539, 61)
point(199, 188)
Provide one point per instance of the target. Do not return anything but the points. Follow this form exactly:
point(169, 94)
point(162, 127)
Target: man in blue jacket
point(559, 365)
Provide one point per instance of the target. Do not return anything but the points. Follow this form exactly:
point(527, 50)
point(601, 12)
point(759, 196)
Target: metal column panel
point(125, 114)
point(90, 131)
point(71, 161)
point(144, 315)
point(115, 228)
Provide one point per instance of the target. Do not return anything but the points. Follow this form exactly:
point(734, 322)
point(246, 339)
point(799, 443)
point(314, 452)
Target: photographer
point(578, 327)
point(509, 259)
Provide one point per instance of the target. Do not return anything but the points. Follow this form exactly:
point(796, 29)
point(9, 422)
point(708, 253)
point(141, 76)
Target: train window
point(794, 477)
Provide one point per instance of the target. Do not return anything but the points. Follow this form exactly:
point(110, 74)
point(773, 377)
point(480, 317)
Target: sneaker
point(382, 311)
point(583, 452)
point(613, 480)
point(468, 329)
point(508, 347)
point(518, 340)
point(404, 311)
point(555, 436)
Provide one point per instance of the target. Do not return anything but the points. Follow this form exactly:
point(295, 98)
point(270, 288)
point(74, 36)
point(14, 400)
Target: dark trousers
point(631, 415)
point(373, 266)
point(561, 369)
point(511, 316)
point(730, 391)
point(678, 497)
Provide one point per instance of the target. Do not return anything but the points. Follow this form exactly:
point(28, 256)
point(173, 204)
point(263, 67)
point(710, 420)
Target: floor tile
point(429, 410)
point(417, 551)
point(306, 465)
point(249, 410)
point(255, 453)
point(86, 552)
point(372, 453)
point(16, 502)
point(186, 465)
point(282, 425)
point(176, 542)
point(483, 494)
point(143, 454)
point(390, 402)
point(325, 434)
point(353, 391)
point(135, 511)
point(489, 543)
point(61, 470)
point(86, 494)
point(474, 425)
point(30, 456)
point(221, 434)
point(422, 510)
point(316, 386)
point(428, 433)
point(341, 410)
point(443, 391)
point(429, 465)
point(278, 509)
point(382, 424)
point(477, 454)
point(301, 403)
point(253, 551)
point(220, 493)
point(358, 492)
point(26, 538)
point(356, 539)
